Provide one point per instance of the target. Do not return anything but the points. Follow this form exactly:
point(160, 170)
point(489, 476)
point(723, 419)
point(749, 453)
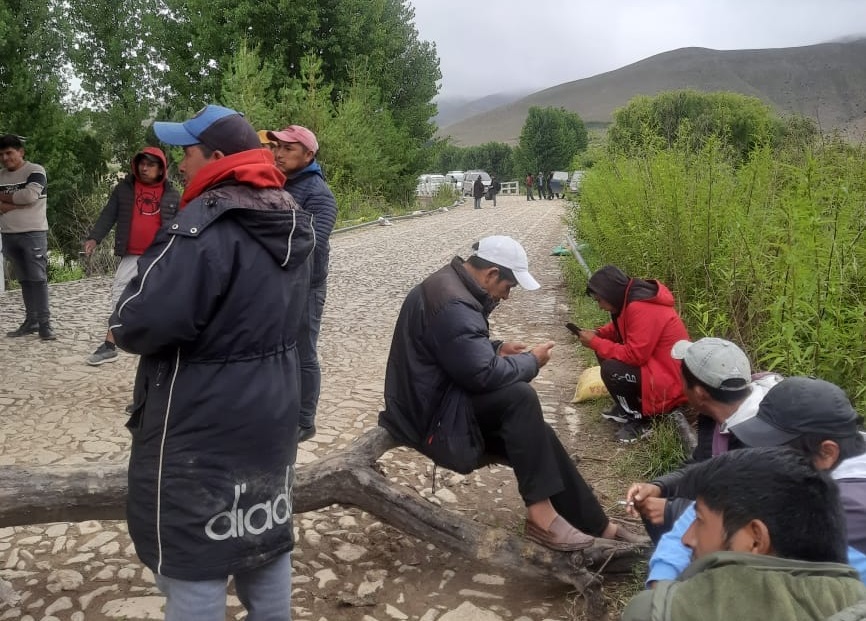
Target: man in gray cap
point(815, 418)
point(717, 380)
point(214, 312)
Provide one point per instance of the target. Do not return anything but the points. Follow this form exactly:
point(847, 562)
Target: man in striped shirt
point(24, 229)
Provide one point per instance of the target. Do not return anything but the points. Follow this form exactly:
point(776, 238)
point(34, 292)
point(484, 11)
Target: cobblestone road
point(54, 409)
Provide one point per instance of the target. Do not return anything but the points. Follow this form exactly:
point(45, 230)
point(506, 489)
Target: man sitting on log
point(446, 379)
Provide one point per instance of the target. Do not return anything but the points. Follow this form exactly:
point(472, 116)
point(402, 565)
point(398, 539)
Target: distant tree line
point(549, 140)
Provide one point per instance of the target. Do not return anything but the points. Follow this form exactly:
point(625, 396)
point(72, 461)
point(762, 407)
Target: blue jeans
point(265, 592)
point(478, 202)
point(311, 372)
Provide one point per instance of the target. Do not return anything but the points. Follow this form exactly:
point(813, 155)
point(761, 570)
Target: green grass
point(654, 456)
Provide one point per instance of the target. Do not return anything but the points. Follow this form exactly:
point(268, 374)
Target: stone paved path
point(347, 565)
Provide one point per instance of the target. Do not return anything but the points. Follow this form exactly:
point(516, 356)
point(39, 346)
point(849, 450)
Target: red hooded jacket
point(642, 334)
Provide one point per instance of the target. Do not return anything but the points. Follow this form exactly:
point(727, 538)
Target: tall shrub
point(770, 254)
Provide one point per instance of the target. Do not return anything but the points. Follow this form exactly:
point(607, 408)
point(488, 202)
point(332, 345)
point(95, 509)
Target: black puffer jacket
point(214, 313)
point(442, 339)
point(118, 209)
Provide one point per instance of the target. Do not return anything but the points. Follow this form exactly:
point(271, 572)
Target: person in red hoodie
point(139, 205)
point(634, 348)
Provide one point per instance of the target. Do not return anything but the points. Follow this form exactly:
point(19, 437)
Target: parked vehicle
point(428, 185)
point(455, 179)
point(558, 180)
point(469, 178)
point(574, 182)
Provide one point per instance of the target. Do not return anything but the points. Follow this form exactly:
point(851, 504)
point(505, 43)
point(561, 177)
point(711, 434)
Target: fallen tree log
point(57, 493)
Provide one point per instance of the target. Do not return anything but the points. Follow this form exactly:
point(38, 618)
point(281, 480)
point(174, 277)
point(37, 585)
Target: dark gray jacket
point(441, 342)
point(312, 194)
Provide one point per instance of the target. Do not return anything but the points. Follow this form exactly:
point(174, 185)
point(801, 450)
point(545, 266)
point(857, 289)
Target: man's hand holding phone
point(542, 352)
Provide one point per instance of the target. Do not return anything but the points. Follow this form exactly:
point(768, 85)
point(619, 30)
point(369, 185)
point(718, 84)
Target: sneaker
point(28, 327)
point(103, 354)
point(306, 433)
point(634, 430)
point(617, 414)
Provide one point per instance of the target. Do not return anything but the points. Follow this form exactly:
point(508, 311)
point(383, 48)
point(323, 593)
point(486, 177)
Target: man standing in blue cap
point(214, 313)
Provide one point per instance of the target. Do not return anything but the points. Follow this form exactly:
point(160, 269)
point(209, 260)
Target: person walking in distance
point(478, 191)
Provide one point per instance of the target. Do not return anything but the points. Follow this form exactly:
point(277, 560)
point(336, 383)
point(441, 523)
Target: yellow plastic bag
point(589, 386)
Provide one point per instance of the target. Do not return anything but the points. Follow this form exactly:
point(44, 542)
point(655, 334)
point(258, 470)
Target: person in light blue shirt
point(813, 417)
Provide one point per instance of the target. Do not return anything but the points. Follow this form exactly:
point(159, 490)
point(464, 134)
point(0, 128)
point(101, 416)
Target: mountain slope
point(826, 82)
point(455, 109)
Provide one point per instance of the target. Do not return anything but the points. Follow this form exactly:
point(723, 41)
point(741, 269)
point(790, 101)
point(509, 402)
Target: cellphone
point(573, 328)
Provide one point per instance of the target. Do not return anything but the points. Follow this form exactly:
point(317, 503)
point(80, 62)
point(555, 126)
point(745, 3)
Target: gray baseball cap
point(797, 406)
point(716, 362)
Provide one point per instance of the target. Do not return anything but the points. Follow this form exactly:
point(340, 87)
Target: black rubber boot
point(43, 313)
point(46, 333)
point(30, 326)
point(31, 321)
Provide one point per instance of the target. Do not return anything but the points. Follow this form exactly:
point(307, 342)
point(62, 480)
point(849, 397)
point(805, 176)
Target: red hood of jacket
point(155, 152)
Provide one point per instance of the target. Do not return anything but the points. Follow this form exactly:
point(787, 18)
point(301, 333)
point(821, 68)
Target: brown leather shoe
point(625, 535)
point(560, 535)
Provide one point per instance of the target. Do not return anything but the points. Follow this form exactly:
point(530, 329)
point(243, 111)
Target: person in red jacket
point(634, 348)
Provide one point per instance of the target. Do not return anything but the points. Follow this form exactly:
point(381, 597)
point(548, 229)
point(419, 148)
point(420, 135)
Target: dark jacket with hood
point(312, 194)
point(641, 333)
point(118, 210)
point(442, 344)
point(478, 187)
point(214, 314)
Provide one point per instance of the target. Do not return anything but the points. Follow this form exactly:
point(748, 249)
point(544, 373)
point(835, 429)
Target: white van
point(469, 178)
point(428, 185)
point(574, 182)
point(455, 179)
point(558, 179)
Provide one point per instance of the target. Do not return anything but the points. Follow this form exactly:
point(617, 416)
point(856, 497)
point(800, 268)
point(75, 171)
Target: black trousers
point(513, 427)
point(623, 383)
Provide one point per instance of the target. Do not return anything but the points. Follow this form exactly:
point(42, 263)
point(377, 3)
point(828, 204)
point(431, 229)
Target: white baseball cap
point(506, 252)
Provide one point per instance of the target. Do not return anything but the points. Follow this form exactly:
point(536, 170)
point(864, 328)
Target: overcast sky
point(490, 46)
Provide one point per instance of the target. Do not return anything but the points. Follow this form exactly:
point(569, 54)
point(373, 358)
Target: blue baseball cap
point(216, 127)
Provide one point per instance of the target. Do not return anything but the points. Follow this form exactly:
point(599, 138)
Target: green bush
point(659, 453)
point(768, 253)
